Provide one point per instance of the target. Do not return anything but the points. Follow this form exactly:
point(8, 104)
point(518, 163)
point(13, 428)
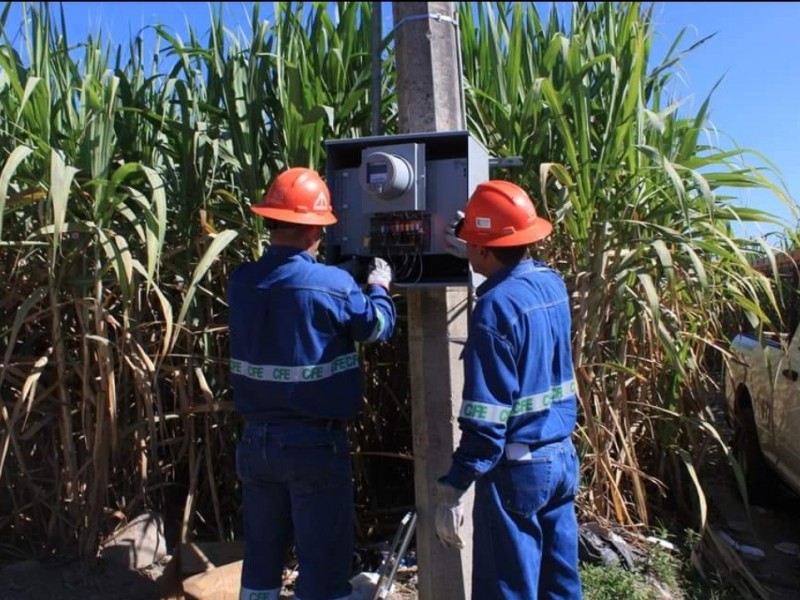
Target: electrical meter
point(392, 178)
point(394, 196)
point(386, 176)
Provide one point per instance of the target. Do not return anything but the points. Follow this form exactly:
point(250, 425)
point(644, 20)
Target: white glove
point(453, 244)
point(449, 515)
point(379, 273)
point(364, 585)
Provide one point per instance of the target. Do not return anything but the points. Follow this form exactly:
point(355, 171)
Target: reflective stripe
point(293, 374)
point(497, 413)
point(248, 594)
point(379, 327)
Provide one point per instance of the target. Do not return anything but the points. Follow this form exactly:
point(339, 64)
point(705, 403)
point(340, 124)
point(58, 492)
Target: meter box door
point(395, 195)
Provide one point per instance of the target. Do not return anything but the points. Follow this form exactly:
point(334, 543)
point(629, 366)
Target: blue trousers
point(525, 540)
point(297, 486)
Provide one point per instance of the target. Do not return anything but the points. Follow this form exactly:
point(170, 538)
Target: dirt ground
point(773, 529)
point(33, 580)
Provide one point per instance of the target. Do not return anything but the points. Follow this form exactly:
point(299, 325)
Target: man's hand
point(449, 515)
point(379, 273)
point(454, 245)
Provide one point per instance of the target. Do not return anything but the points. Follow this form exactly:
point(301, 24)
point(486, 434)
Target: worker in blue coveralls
point(518, 409)
point(297, 381)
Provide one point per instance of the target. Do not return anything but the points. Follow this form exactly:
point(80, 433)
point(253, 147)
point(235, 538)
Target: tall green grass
point(124, 191)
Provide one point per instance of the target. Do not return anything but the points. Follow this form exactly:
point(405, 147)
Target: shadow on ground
point(34, 580)
point(773, 528)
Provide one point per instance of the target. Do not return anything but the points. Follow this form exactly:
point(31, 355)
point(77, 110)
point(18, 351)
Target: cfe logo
point(321, 203)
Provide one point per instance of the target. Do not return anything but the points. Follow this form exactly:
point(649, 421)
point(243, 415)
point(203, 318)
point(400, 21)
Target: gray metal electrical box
point(395, 195)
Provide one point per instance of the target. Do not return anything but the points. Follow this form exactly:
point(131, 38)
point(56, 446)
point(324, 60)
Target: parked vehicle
point(762, 393)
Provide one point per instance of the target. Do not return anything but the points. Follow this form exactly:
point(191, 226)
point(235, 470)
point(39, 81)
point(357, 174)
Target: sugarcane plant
point(127, 173)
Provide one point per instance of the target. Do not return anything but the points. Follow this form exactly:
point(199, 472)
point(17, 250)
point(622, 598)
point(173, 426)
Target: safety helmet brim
point(292, 216)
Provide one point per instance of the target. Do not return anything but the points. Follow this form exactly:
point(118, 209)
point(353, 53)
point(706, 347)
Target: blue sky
point(754, 51)
point(756, 106)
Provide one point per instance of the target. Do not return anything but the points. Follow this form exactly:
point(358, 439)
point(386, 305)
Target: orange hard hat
point(500, 214)
point(298, 195)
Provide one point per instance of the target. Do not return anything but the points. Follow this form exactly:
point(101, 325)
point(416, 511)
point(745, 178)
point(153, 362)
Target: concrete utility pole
point(430, 98)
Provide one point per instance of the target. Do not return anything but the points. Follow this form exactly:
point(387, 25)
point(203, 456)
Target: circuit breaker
point(394, 196)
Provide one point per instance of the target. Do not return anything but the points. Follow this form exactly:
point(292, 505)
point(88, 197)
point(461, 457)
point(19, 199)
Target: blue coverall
point(294, 324)
point(517, 415)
